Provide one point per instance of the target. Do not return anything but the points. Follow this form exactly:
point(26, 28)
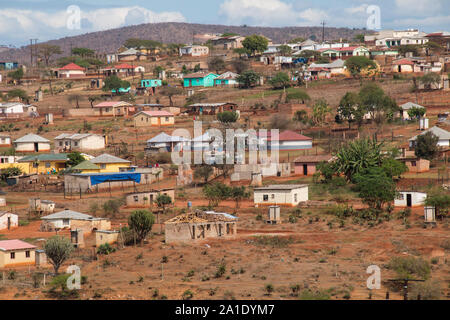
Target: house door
point(9, 223)
point(399, 68)
point(409, 200)
point(305, 169)
point(36, 147)
point(193, 232)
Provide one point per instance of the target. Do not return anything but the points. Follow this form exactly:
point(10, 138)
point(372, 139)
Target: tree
point(171, 92)
point(280, 80)
point(410, 267)
point(16, 75)
point(239, 65)
point(241, 52)
point(216, 192)
point(75, 158)
point(75, 98)
point(92, 99)
point(216, 64)
point(203, 172)
point(255, 44)
point(355, 65)
point(348, 107)
point(112, 207)
point(359, 37)
point(301, 116)
point(375, 187)
point(377, 103)
point(430, 79)
point(47, 51)
point(238, 194)
point(416, 112)
point(310, 54)
point(248, 79)
point(141, 222)
point(298, 95)
point(157, 70)
point(357, 156)
point(162, 201)
point(441, 201)
point(427, 146)
point(227, 117)
point(114, 84)
point(83, 52)
point(10, 172)
point(320, 111)
point(18, 93)
point(58, 250)
point(393, 168)
point(284, 50)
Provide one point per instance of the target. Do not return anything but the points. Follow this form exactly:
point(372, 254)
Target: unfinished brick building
point(200, 225)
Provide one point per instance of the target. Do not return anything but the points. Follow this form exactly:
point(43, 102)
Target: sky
point(21, 20)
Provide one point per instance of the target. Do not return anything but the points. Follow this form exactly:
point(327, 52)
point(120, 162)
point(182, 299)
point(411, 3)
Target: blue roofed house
point(200, 79)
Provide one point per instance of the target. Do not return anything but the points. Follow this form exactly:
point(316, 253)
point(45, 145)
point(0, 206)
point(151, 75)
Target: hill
point(171, 32)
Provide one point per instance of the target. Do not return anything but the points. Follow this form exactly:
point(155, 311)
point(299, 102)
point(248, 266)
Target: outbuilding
point(155, 118)
point(283, 194)
point(410, 199)
point(307, 165)
point(32, 143)
point(69, 219)
point(147, 198)
point(8, 220)
point(16, 253)
point(79, 141)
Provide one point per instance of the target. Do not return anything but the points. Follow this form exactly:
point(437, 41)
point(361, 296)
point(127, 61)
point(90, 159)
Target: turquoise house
point(199, 80)
point(151, 83)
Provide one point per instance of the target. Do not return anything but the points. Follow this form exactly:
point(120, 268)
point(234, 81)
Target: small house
point(5, 140)
point(69, 219)
point(39, 206)
point(408, 106)
point(410, 199)
point(416, 164)
point(105, 236)
point(86, 167)
point(16, 253)
point(167, 143)
point(71, 70)
point(155, 118)
point(403, 66)
point(109, 163)
point(32, 143)
point(113, 108)
point(151, 84)
point(226, 79)
point(289, 140)
point(443, 135)
point(131, 55)
point(228, 42)
point(146, 199)
point(200, 225)
point(194, 51)
point(10, 108)
point(281, 195)
point(210, 108)
point(8, 220)
point(44, 163)
point(67, 142)
point(307, 165)
point(199, 79)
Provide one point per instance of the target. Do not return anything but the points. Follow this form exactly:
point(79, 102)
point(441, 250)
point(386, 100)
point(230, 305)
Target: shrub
point(428, 290)
point(269, 289)
point(221, 269)
point(410, 267)
point(314, 295)
point(105, 249)
point(187, 295)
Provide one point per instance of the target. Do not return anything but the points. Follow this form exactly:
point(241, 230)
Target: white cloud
point(419, 7)
point(35, 23)
point(268, 13)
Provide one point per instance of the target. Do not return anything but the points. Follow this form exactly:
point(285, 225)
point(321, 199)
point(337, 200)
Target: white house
point(5, 140)
point(287, 195)
point(8, 220)
point(165, 142)
point(406, 107)
point(287, 140)
point(410, 199)
point(11, 107)
point(32, 143)
point(71, 70)
point(194, 51)
point(79, 141)
point(443, 135)
point(335, 67)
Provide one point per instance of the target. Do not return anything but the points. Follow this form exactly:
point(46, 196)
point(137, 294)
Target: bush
point(187, 295)
point(314, 295)
point(410, 267)
point(428, 290)
point(105, 249)
point(221, 269)
point(269, 289)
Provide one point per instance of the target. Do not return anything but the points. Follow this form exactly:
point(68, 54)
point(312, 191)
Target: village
point(351, 142)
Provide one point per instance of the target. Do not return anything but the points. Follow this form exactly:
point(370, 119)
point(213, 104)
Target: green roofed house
point(45, 163)
point(86, 167)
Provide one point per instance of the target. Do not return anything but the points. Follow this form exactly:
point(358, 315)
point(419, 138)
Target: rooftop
point(8, 245)
point(72, 66)
point(31, 137)
point(282, 187)
point(45, 157)
point(157, 113)
point(317, 158)
point(202, 217)
point(107, 158)
point(86, 165)
point(69, 214)
point(440, 133)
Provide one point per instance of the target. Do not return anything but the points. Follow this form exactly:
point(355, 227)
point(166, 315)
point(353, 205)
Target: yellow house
point(87, 167)
point(154, 118)
point(109, 163)
point(15, 253)
point(43, 163)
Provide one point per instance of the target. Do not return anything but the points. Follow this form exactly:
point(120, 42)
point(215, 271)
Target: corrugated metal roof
point(69, 214)
point(107, 158)
point(164, 137)
point(74, 136)
point(7, 245)
point(282, 187)
point(45, 157)
point(440, 133)
point(31, 137)
point(409, 105)
point(86, 165)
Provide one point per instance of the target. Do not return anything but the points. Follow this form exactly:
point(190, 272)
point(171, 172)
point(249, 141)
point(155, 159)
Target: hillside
point(171, 32)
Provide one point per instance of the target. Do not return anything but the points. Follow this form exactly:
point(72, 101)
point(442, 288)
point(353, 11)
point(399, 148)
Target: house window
point(76, 144)
point(35, 164)
point(48, 164)
point(27, 254)
point(400, 196)
point(66, 221)
point(13, 255)
point(272, 196)
point(167, 118)
point(136, 198)
point(60, 143)
point(102, 166)
point(295, 197)
point(413, 163)
point(265, 197)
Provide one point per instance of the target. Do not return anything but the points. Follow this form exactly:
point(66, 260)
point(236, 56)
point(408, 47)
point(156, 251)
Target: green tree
point(18, 93)
point(416, 112)
point(320, 111)
point(375, 187)
point(410, 268)
point(377, 103)
point(298, 95)
point(58, 250)
point(216, 192)
point(47, 51)
point(429, 80)
point(393, 168)
point(16, 75)
point(203, 172)
point(114, 83)
point(255, 44)
point(157, 70)
point(248, 79)
point(162, 201)
point(141, 222)
point(242, 52)
point(285, 50)
point(348, 107)
point(83, 52)
point(355, 65)
point(440, 200)
point(227, 117)
point(239, 194)
point(280, 80)
point(10, 172)
point(75, 158)
point(426, 146)
point(216, 64)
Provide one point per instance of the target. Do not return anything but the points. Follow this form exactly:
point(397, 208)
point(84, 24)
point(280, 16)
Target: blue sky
point(48, 19)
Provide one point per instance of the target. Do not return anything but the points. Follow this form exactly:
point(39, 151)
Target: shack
point(286, 195)
point(200, 225)
point(8, 220)
point(69, 219)
point(410, 199)
point(145, 199)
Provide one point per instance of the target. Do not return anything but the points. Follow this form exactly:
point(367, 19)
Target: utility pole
point(323, 31)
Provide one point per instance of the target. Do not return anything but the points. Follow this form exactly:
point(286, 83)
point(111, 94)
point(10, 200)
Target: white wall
point(417, 199)
point(288, 197)
point(4, 220)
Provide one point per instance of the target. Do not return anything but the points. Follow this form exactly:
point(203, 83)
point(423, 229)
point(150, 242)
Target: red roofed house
point(287, 140)
point(153, 118)
point(114, 108)
point(14, 253)
point(403, 66)
point(71, 70)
